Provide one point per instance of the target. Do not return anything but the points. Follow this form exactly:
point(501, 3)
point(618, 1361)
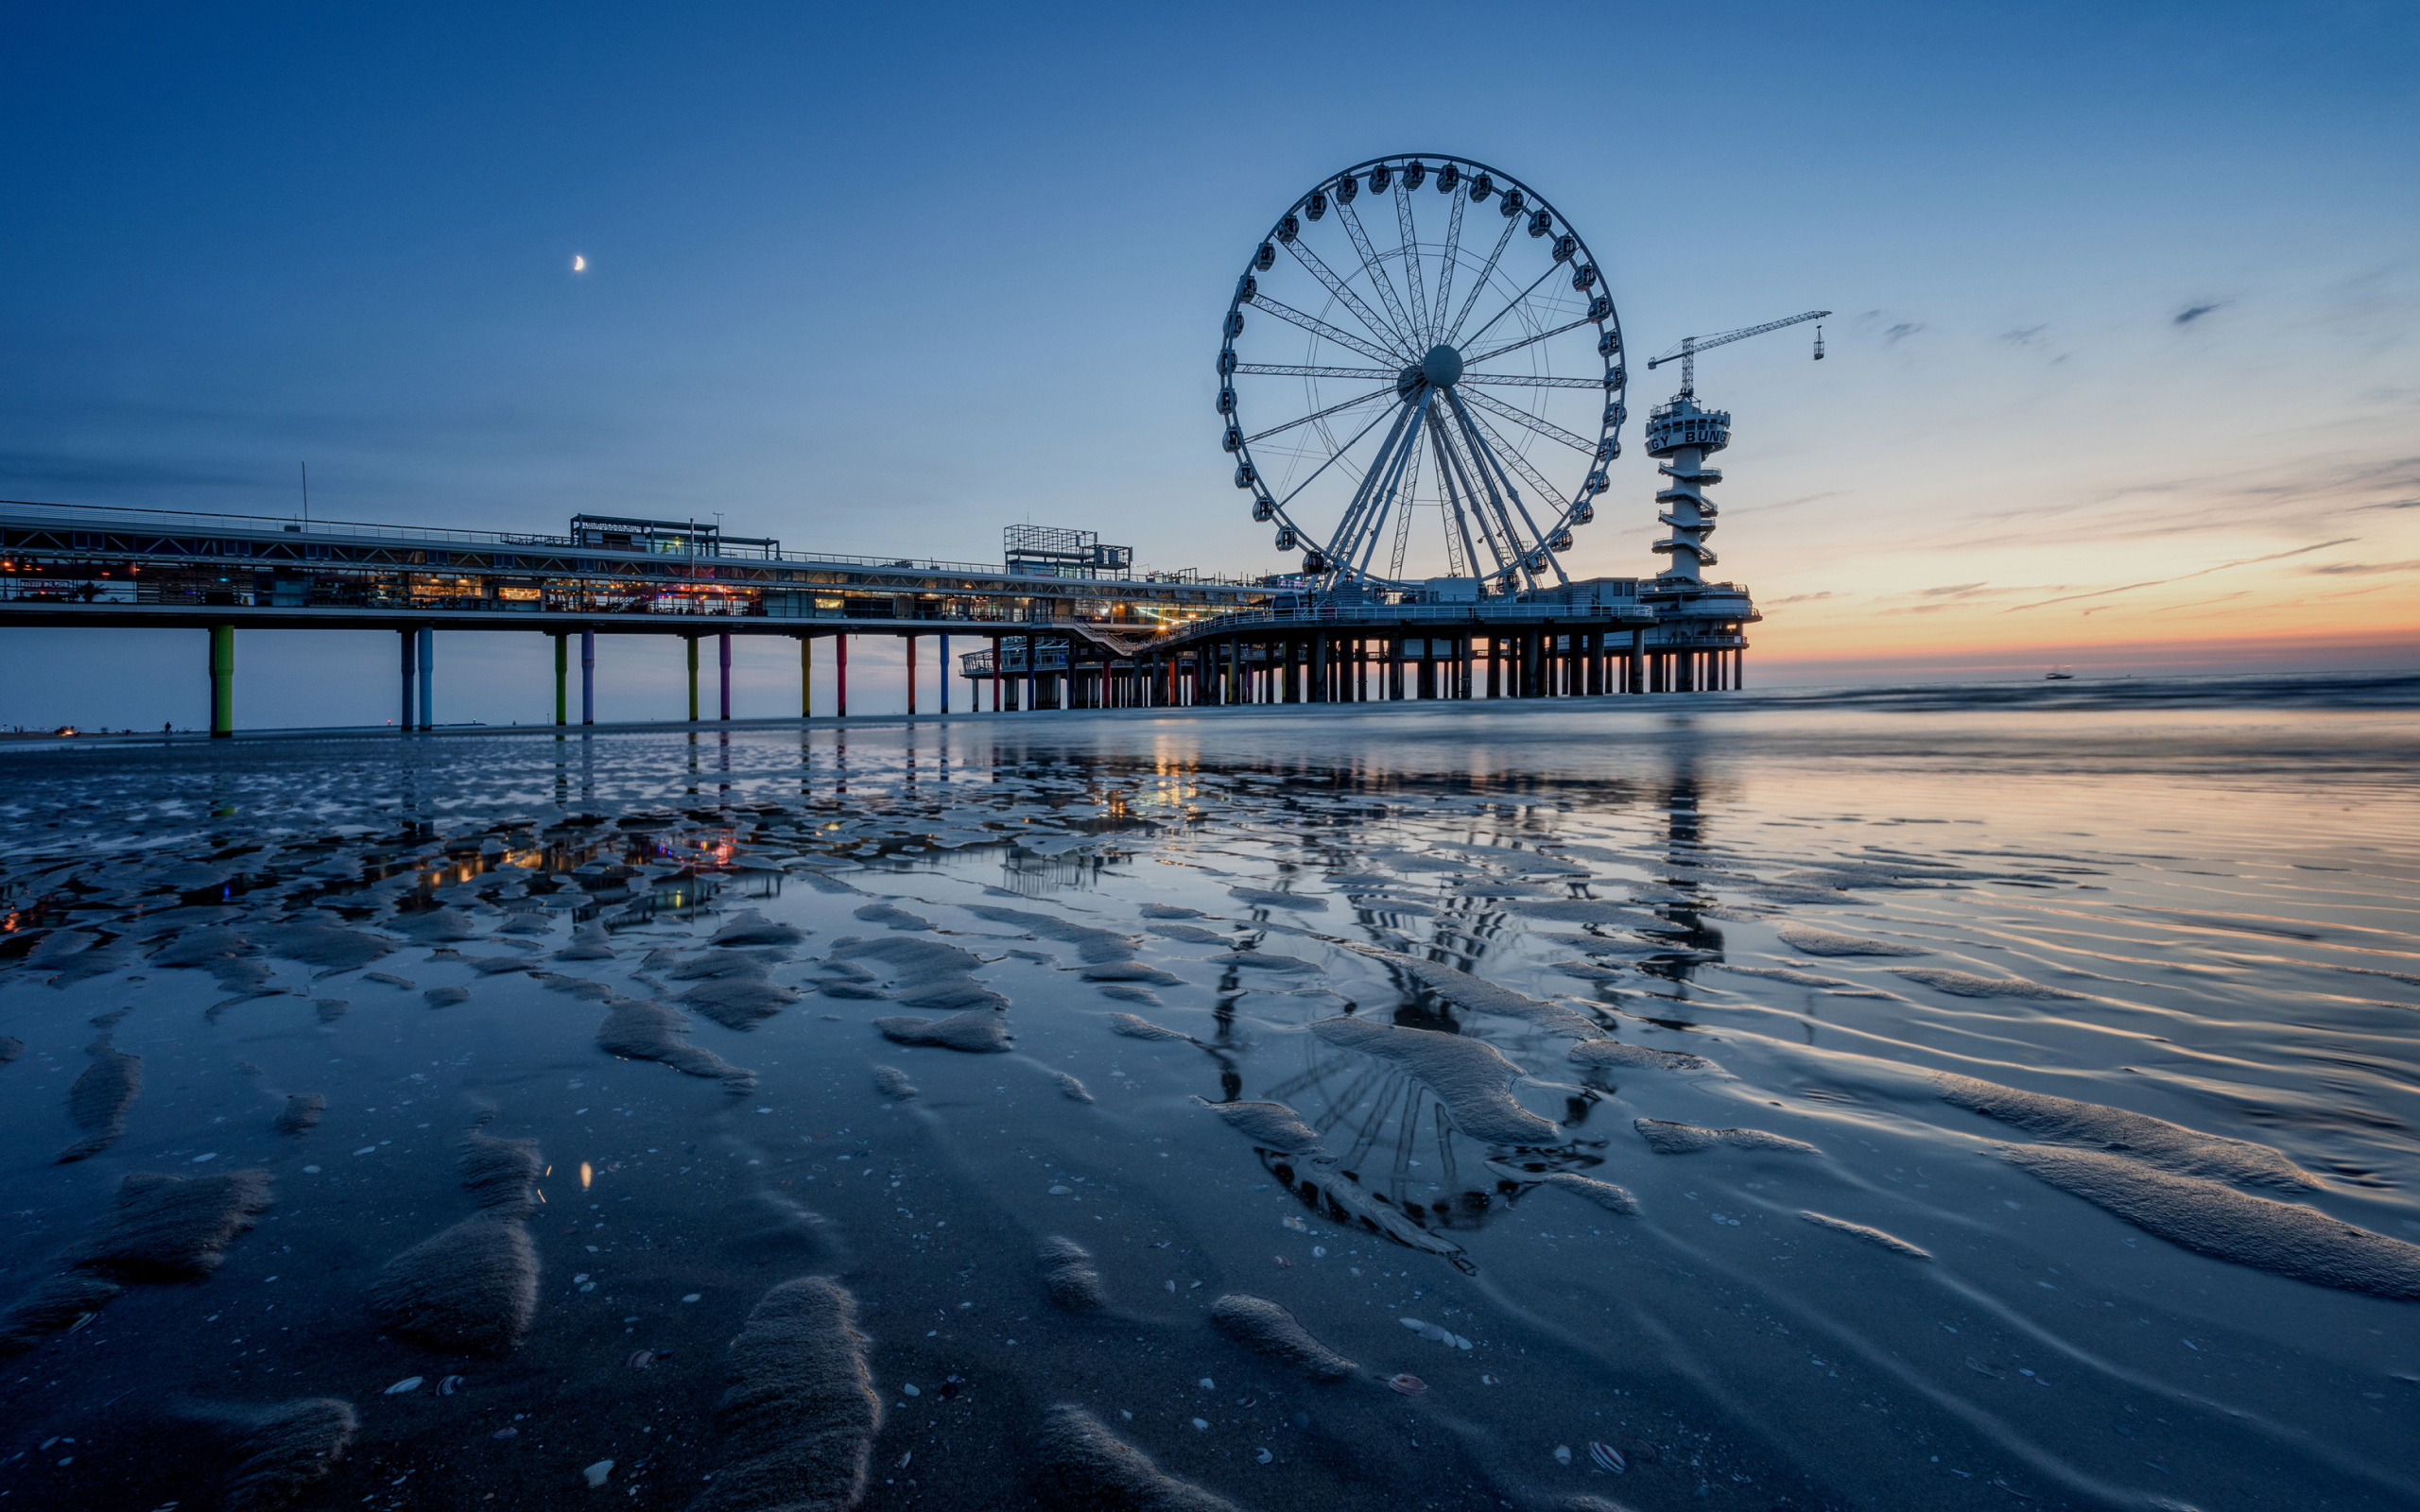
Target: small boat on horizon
point(2059, 675)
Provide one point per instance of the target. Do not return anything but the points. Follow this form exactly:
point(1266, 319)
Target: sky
point(2123, 372)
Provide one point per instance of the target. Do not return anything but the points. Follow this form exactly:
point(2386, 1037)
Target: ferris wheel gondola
point(1378, 370)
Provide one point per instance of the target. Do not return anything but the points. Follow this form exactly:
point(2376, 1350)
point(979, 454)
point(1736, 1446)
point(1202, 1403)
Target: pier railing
point(1625, 616)
point(180, 523)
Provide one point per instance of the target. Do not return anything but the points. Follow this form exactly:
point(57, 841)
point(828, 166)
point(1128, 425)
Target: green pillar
point(693, 678)
point(222, 682)
point(563, 678)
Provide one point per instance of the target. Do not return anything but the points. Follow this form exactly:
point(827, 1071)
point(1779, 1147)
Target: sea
point(1929, 1097)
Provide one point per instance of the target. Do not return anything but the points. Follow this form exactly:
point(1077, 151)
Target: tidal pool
point(1938, 1099)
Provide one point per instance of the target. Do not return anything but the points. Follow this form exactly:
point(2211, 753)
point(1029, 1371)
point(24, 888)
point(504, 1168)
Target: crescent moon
point(579, 264)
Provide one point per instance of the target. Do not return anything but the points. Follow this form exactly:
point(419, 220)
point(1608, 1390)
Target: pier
point(1061, 622)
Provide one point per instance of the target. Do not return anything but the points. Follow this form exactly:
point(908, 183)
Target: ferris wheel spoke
point(1464, 561)
point(1488, 458)
point(1472, 339)
point(1530, 342)
point(1377, 271)
point(1501, 542)
point(1451, 260)
point(1320, 328)
point(1335, 456)
point(1269, 370)
point(1319, 270)
point(1411, 262)
point(1356, 536)
point(1485, 274)
point(1346, 543)
point(1332, 410)
point(1545, 428)
point(1403, 525)
point(1465, 501)
point(1519, 382)
point(1504, 451)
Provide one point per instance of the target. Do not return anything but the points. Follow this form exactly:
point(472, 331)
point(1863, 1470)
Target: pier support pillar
point(723, 658)
point(840, 675)
point(428, 676)
point(405, 720)
point(563, 678)
point(222, 682)
point(588, 676)
point(1637, 676)
point(943, 665)
point(911, 675)
point(807, 677)
point(999, 666)
point(691, 642)
point(1321, 693)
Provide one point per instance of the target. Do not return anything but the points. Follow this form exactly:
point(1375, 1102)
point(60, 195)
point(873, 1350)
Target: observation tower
point(1680, 436)
point(1701, 626)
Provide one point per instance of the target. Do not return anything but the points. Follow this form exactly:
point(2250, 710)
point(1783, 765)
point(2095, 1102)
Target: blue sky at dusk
point(2123, 372)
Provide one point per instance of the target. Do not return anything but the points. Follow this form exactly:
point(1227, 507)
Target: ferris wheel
point(1422, 377)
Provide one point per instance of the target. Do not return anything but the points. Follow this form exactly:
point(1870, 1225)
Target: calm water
point(2195, 902)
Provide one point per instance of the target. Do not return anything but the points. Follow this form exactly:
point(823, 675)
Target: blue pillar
point(428, 676)
point(403, 721)
point(588, 676)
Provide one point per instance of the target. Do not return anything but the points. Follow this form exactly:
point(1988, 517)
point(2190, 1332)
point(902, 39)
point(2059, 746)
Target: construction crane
point(1691, 346)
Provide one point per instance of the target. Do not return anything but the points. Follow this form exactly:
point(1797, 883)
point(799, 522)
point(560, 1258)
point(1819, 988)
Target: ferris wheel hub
point(1442, 366)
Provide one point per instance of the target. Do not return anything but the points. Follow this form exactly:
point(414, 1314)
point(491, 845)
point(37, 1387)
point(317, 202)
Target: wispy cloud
point(2158, 582)
point(1901, 332)
point(1801, 598)
point(2340, 569)
point(2194, 312)
point(2025, 335)
point(1784, 504)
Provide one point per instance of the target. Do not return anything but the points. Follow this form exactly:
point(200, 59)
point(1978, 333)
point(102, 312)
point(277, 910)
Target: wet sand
point(1928, 1102)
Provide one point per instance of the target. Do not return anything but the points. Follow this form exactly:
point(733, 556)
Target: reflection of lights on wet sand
point(585, 1176)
